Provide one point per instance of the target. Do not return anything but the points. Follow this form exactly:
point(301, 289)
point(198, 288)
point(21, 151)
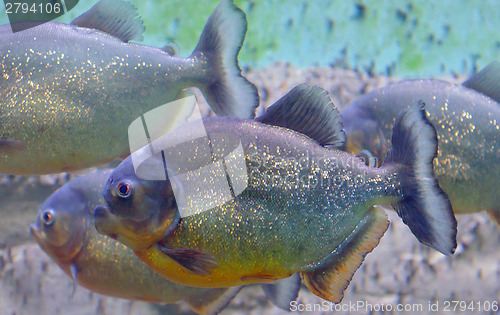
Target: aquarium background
point(348, 48)
point(392, 37)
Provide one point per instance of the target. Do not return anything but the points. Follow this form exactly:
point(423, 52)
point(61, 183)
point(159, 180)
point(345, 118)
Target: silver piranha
point(467, 121)
point(69, 91)
point(65, 231)
point(298, 204)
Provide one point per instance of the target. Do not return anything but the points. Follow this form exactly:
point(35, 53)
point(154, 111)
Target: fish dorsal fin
point(283, 292)
point(486, 81)
point(310, 111)
point(334, 274)
point(115, 17)
point(212, 301)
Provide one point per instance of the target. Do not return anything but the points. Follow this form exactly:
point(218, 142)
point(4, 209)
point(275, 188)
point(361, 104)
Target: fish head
point(61, 224)
point(138, 212)
point(364, 132)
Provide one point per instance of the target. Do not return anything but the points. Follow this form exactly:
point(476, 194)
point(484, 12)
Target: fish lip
point(101, 211)
point(35, 232)
point(104, 220)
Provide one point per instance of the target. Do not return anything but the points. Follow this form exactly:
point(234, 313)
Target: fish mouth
point(107, 223)
point(103, 220)
point(64, 253)
point(36, 233)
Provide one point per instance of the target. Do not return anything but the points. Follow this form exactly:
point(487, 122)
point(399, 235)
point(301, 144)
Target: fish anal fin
point(194, 260)
point(310, 111)
point(495, 215)
point(117, 18)
point(332, 278)
point(486, 81)
point(212, 301)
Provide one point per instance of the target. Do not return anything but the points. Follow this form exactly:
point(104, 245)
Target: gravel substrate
point(398, 271)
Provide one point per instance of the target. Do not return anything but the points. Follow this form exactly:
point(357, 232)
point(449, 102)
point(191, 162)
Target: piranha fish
point(307, 206)
point(69, 91)
point(65, 231)
point(467, 121)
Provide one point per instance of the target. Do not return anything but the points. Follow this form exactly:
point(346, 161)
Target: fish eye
point(124, 190)
point(48, 217)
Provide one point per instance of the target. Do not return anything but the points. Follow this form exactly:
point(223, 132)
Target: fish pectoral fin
point(213, 301)
point(495, 215)
point(117, 18)
point(486, 81)
point(310, 111)
point(335, 272)
point(8, 145)
point(194, 260)
point(283, 291)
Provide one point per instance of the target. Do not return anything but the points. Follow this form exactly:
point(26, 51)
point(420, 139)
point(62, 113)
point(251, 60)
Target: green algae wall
point(396, 37)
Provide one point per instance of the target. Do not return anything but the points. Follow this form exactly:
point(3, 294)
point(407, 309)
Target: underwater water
point(348, 48)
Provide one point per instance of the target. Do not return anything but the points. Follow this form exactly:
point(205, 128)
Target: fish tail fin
point(424, 207)
point(212, 301)
point(227, 92)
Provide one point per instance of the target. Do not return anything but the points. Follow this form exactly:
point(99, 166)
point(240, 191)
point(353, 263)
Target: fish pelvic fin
point(495, 215)
point(194, 260)
point(212, 301)
point(310, 111)
point(74, 275)
point(115, 17)
point(227, 92)
point(424, 207)
point(486, 81)
point(335, 273)
point(283, 292)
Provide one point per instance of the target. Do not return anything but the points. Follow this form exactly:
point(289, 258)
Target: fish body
point(306, 208)
point(468, 130)
point(289, 223)
point(66, 232)
point(70, 91)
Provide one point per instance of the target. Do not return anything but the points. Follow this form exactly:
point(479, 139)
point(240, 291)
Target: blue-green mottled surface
point(401, 38)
